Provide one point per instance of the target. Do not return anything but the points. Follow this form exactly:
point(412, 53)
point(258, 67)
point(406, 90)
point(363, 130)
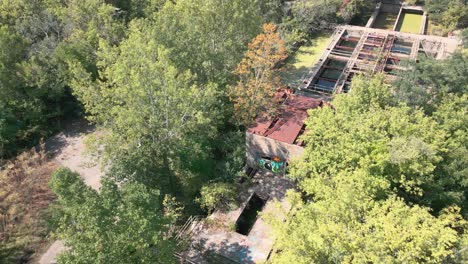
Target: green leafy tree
point(354, 218)
point(356, 8)
point(379, 181)
point(132, 9)
point(451, 116)
point(464, 38)
point(366, 129)
point(207, 37)
point(428, 81)
point(271, 10)
point(314, 16)
point(157, 121)
point(217, 196)
point(125, 224)
point(17, 110)
point(40, 38)
point(450, 14)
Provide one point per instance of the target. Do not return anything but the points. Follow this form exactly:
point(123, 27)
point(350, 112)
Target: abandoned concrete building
point(271, 143)
point(380, 47)
point(240, 235)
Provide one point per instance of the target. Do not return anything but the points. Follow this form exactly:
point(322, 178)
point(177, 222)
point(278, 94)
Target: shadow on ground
point(74, 129)
point(226, 253)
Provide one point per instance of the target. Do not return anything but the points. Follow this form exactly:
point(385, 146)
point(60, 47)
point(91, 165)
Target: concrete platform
point(232, 246)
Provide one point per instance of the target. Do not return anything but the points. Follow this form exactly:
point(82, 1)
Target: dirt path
point(68, 150)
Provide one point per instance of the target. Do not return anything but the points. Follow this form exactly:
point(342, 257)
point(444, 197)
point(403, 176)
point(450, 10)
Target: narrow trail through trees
point(69, 150)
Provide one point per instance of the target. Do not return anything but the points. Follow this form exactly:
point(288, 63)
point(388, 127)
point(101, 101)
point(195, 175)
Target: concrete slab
point(50, 256)
point(235, 247)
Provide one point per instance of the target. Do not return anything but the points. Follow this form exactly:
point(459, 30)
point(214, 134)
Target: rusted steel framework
point(359, 50)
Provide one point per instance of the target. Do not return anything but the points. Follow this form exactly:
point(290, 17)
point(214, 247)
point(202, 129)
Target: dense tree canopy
point(126, 224)
point(157, 118)
point(207, 37)
point(160, 96)
point(388, 140)
point(450, 14)
point(384, 179)
point(308, 17)
point(151, 74)
point(38, 39)
point(427, 82)
point(171, 85)
point(350, 222)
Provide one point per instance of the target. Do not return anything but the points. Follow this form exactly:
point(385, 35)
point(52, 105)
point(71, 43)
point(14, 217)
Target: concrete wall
point(422, 31)
point(390, 8)
point(258, 146)
point(374, 15)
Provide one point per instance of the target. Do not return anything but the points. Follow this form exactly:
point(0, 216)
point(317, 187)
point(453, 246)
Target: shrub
point(217, 195)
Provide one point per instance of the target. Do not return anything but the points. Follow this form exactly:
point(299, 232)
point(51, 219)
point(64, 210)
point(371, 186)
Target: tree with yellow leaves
point(254, 92)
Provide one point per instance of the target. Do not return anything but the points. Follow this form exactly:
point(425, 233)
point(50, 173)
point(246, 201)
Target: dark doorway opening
point(248, 217)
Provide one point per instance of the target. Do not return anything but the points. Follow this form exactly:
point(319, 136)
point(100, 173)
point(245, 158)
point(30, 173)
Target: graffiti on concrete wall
point(275, 164)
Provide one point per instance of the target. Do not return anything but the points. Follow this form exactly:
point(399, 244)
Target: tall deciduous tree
point(452, 117)
point(369, 130)
point(254, 92)
point(125, 224)
point(313, 16)
point(348, 226)
point(157, 120)
point(380, 178)
point(208, 37)
point(429, 81)
point(43, 37)
point(13, 52)
point(450, 14)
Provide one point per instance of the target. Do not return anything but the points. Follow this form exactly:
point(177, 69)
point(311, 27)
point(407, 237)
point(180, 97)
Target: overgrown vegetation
point(217, 195)
point(258, 80)
point(312, 17)
point(130, 224)
point(24, 198)
point(388, 182)
point(38, 39)
point(448, 15)
point(427, 82)
point(171, 86)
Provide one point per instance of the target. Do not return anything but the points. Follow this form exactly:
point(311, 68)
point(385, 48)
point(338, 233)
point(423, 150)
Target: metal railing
point(184, 235)
point(188, 224)
point(321, 88)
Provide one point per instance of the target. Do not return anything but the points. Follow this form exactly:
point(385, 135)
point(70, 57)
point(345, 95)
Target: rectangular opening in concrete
point(349, 42)
point(402, 47)
point(361, 18)
point(329, 74)
point(432, 29)
point(248, 217)
point(410, 21)
point(385, 20)
point(324, 85)
point(393, 61)
point(346, 44)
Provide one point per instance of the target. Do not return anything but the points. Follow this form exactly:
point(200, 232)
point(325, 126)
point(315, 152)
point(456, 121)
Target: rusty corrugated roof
point(289, 122)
